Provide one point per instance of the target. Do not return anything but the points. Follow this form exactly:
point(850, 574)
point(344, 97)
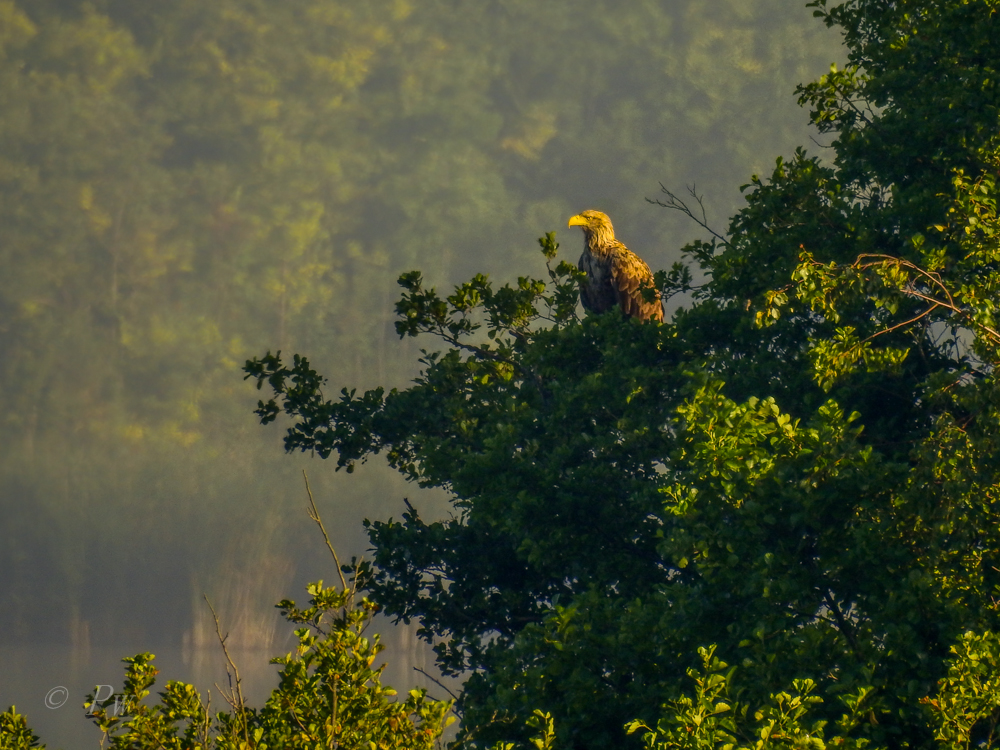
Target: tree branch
point(314, 515)
point(842, 625)
point(675, 203)
point(235, 697)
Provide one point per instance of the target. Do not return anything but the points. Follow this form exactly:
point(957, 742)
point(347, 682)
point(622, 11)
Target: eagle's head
point(596, 227)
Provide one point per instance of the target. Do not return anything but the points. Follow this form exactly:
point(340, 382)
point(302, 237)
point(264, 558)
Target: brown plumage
point(615, 275)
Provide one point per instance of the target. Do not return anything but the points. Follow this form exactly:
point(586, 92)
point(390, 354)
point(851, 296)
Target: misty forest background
point(186, 185)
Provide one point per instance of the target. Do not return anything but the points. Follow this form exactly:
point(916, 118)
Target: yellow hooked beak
point(577, 221)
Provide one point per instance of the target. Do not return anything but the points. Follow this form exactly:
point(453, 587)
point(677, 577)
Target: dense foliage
point(798, 475)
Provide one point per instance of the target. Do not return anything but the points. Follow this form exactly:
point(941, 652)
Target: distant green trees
point(797, 476)
point(184, 184)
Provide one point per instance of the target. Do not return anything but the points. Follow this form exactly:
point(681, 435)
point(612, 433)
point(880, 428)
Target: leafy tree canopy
point(800, 470)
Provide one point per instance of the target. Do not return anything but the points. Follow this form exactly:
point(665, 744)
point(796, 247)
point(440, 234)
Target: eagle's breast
point(597, 292)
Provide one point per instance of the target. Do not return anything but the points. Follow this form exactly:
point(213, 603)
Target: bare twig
point(235, 697)
point(436, 682)
point(677, 204)
point(314, 515)
point(890, 329)
point(867, 261)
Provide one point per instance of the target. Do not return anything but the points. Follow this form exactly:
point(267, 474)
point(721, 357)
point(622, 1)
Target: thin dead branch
point(235, 698)
point(946, 301)
point(675, 203)
point(314, 515)
point(435, 681)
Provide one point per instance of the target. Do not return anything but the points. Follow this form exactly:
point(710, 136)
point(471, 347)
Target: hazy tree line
point(185, 184)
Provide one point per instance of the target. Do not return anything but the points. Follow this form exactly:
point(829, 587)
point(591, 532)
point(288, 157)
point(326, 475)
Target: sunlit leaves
point(15, 734)
point(329, 694)
point(713, 718)
point(966, 707)
point(836, 100)
point(887, 284)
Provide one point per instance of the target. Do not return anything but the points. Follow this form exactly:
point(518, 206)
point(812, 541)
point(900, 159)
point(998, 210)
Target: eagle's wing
point(629, 274)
